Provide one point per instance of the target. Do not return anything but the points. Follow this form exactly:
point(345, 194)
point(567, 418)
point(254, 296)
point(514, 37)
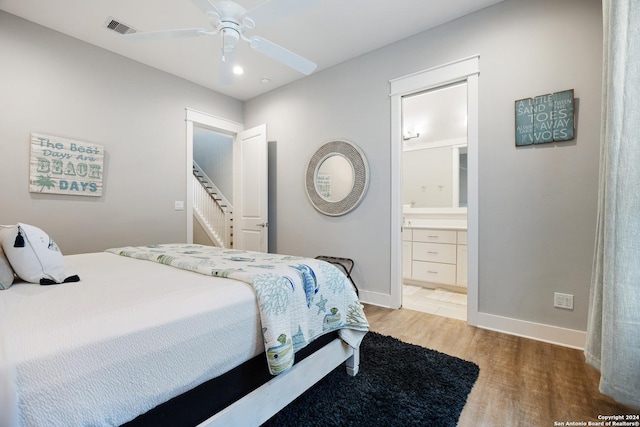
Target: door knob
point(263, 225)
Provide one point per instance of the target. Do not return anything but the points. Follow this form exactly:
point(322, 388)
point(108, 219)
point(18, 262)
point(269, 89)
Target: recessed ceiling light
point(237, 70)
point(265, 80)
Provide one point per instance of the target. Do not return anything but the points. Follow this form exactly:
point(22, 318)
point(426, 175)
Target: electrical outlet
point(179, 205)
point(563, 300)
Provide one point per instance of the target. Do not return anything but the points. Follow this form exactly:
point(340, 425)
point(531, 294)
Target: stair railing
point(212, 210)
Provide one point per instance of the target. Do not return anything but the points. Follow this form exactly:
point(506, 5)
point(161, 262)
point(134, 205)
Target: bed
point(149, 325)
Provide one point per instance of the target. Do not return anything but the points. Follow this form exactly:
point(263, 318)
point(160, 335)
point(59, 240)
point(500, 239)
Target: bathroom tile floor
point(440, 302)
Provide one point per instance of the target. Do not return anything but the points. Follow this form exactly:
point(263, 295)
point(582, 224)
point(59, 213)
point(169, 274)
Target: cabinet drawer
point(407, 235)
point(461, 271)
point(406, 259)
point(434, 236)
point(462, 237)
point(434, 272)
point(434, 252)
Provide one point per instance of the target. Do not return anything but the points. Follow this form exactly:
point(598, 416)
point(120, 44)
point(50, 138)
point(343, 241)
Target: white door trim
point(215, 123)
point(466, 69)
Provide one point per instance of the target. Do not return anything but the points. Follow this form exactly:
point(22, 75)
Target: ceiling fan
point(230, 20)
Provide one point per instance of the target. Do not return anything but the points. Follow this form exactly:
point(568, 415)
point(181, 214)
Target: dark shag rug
point(399, 384)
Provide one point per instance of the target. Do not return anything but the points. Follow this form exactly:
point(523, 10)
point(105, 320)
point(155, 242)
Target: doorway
point(213, 187)
point(434, 200)
point(249, 178)
point(462, 71)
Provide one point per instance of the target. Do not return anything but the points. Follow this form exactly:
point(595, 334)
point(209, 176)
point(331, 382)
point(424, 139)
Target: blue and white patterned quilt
point(299, 298)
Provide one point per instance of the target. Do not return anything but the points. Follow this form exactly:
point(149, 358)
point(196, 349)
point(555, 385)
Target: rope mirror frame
point(360, 167)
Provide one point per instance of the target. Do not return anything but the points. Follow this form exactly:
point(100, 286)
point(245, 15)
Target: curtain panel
point(613, 331)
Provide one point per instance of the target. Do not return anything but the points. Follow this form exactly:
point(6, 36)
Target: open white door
point(250, 199)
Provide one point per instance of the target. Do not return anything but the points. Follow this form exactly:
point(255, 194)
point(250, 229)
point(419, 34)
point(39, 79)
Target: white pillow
point(39, 258)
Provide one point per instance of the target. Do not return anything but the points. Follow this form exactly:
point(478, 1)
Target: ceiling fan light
point(230, 39)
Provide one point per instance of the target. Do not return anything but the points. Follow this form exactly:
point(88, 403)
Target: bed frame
point(248, 395)
point(264, 402)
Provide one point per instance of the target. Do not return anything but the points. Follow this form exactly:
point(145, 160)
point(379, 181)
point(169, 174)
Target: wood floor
point(522, 382)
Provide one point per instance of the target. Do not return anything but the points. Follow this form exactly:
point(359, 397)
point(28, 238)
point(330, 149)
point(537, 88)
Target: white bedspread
point(65, 349)
point(300, 298)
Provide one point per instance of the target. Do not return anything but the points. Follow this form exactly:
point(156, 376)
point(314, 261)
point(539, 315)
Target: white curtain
point(613, 332)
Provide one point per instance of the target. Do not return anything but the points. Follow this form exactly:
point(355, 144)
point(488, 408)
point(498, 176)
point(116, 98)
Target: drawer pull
point(433, 252)
point(433, 237)
point(432, 272)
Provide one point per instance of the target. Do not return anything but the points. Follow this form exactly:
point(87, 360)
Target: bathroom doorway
point(447, 221)
point(434, 200)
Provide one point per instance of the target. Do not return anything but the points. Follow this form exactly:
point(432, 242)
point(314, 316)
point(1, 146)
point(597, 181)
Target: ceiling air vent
point(118, 27)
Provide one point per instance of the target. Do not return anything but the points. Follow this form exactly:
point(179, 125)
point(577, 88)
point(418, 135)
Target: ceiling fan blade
point(282, 55)
point(225, 70)
point(273, 10)
point(206, 6)
point(169, 34)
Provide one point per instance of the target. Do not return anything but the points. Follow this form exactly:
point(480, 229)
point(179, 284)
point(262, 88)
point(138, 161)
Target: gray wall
point(57, 85)
point(213, 152)
point(537, 205)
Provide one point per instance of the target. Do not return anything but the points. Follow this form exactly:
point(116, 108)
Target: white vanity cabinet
point(435, 255)
point(407, 236)
point(461, 264)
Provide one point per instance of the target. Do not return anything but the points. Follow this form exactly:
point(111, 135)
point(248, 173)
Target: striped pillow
point(6, 272)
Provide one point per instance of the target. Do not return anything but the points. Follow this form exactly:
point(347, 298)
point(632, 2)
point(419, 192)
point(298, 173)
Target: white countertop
point(446, 224)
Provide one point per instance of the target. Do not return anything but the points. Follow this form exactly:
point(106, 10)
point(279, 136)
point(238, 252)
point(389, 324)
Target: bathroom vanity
point(435, 254)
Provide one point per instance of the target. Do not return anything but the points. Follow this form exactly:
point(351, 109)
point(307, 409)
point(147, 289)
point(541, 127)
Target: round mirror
point(334, 178)
point(337, 178)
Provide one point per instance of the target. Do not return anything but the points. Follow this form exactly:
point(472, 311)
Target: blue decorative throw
point(299, 298)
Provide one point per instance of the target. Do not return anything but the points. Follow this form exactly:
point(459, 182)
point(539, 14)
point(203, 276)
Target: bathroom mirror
point(435, 177)
point(434, 139)
point(337, 178)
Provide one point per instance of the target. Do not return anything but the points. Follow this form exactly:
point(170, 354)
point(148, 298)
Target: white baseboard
point(535, 331)
point(522, 328)
point(375, 298)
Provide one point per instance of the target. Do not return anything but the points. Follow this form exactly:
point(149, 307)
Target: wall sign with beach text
point(65, 166)
point(545, 118)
